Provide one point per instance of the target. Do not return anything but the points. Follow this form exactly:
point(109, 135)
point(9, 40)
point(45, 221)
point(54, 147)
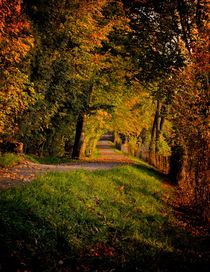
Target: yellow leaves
point(90, 26)
point(101, 118)
point(133, 112)
point(97, 122)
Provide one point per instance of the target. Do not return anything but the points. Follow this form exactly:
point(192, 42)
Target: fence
point(160, 162)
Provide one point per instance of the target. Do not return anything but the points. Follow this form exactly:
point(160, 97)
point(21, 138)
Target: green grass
point(9, 159)
point(47, 160)
point(111, 220)
point(96, 154)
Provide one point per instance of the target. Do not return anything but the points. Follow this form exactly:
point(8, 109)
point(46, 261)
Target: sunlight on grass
point(86, 215)
point(9, 159)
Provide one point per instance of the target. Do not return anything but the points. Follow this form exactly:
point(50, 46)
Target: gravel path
point(26, 172)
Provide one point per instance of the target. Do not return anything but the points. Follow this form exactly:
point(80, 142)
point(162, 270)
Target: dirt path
point(26, 172)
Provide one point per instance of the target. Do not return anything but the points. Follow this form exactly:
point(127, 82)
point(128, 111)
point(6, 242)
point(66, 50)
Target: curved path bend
point(26, 172)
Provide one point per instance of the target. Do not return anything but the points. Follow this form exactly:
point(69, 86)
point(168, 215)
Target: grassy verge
point(94, 221)
point(48, 160)
point(9, 159)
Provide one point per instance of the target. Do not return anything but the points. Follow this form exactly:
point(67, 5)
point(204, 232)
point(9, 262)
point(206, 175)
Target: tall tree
point(69, 59)
point(154, 45)
point(16, 41)
point(101, 20)
point(191, 113)
point(154, 41)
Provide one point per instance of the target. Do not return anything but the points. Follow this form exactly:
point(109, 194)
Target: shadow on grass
point(28, 241)
point(129, 180)
point(151, 171)
point(91, 234)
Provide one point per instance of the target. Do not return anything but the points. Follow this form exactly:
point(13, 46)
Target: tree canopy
point(72, 70)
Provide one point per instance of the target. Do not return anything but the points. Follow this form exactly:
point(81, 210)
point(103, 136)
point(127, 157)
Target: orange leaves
point(97, 58)
point(15, 49)
point(15, 43)
point(11, 19)
point(97, 37)
point(121, 188)
point(13, 28)
point(190, 114)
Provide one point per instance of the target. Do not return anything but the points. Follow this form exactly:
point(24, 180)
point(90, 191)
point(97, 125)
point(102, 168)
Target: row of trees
point(169, 45)
point(71, 70)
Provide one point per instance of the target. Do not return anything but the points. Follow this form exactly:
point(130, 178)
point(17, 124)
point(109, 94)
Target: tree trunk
point(162, 122)
point(198, 14)
point(83, 147)
point(78, 137)
point(177, 162)
point(159, 125)
point(153, 132)
point(155, 127)
point(184, 24)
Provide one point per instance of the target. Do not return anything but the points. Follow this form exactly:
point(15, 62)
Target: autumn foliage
point(191, 120)
point(72, 70)
point(16, 41)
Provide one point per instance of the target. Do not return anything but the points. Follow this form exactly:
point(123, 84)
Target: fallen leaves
point(101, 249)
point(18, 175)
